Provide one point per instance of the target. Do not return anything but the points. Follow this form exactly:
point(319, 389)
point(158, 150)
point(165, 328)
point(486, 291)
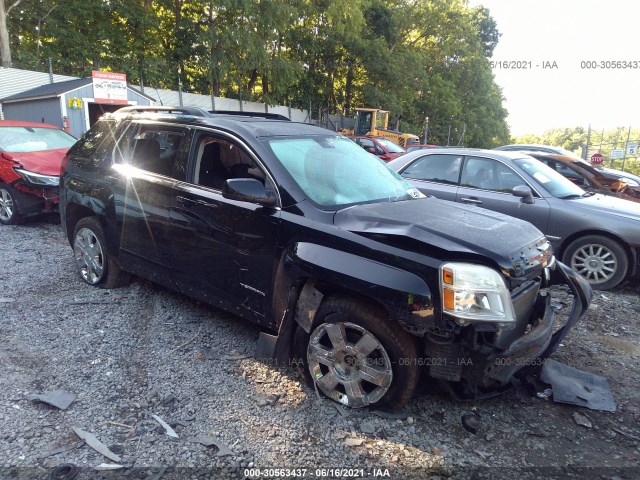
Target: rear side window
point(435, 168)
point(96, 141)
point(157, 149)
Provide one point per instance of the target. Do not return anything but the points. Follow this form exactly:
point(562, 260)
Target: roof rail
point(195, 111)
point(272, 116)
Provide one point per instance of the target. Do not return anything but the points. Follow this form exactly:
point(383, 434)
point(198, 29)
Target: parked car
point(587, 176)
point(30, 159)
point(597, 235)
point(534, 147)
point(300, 230)
point(629, 178)
point(382, 148)
point(420, 146)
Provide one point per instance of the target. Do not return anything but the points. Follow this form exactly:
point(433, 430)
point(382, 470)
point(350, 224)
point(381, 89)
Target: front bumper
point(33, 200)
point(488, 366)
point(541, 342)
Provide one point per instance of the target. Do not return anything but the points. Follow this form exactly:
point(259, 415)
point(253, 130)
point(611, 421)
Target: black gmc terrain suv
point(299, 229)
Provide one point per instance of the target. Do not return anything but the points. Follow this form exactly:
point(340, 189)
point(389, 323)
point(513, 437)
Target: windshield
point(33, 139)
point(390, 146)
point(556, 184)
point(333, 171)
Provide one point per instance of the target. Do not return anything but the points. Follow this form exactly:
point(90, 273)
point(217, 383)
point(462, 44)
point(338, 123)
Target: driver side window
point(488, 174)
point(218, 160)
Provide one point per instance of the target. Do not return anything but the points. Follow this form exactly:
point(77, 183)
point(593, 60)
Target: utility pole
point(624, 158)
point(426, 129)
point(586, 150)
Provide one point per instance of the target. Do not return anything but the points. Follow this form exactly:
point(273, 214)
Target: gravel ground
point(131, 353)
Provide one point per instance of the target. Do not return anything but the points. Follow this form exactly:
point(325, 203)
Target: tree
point(5, 46)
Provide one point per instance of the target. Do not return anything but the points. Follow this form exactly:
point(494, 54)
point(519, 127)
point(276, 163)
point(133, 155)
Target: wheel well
point(74, 213)
point(333, 290)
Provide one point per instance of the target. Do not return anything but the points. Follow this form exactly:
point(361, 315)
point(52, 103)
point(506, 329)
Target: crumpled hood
point(449, 226)
point(45, 162)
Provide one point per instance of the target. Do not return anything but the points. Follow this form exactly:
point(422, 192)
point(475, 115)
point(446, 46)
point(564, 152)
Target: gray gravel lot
point(134, 352)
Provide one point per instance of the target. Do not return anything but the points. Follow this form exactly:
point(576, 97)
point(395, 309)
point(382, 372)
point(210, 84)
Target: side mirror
point(524, 193)
point(247, 190)
point(371, 149)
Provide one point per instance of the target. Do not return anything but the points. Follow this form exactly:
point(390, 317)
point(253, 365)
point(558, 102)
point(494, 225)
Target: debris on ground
point(169, 431)
point(56, 398)
point(96, 444)
point(577, 387)
point(209, 441)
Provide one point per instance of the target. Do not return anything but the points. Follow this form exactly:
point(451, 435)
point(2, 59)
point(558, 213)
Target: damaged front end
point(36, 193)
point(490, 329)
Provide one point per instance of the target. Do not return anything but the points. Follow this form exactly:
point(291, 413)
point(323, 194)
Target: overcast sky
point(568, 32)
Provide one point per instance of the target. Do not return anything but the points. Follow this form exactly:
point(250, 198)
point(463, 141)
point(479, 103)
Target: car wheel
point(92, 260)
point(9, 213)
point(356, 358)
point(600, 260)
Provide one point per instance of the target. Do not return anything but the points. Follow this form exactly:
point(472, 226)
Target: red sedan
point(30, 159)
point(379, 146)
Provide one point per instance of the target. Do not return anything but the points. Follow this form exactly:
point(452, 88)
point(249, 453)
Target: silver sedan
point(597, 235)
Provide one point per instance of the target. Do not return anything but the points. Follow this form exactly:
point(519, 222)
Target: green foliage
point(416, 58)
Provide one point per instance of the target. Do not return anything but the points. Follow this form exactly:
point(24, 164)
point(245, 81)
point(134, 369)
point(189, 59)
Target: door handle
point(473, 201)
point(190, 202)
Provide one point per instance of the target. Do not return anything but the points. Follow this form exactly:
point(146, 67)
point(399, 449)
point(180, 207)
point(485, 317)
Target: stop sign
point(597, 159)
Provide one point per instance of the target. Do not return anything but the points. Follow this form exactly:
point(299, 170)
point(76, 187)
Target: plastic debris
point(96, 444)
point(546, 393)
point(582, 420)
point(170, 431)
point(208, 441)
point(577, 387)
point(56, 398)
point(109, 466)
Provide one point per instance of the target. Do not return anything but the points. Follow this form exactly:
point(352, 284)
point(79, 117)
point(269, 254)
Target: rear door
point(488, 183)
point(223, 250)
point(148, 160)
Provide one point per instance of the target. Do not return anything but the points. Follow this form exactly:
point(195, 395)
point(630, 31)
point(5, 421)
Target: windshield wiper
point(572, 195)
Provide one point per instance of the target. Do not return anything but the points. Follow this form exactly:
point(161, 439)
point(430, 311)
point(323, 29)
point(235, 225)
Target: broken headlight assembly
point(475, 293)
point(37, 179)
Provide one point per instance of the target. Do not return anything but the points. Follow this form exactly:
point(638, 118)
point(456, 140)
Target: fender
point(86, 198)
point(307, 271)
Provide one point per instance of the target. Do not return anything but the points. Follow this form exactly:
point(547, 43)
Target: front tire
point(94, 264)
point(600, 260)
point(356, 358)
point(9, 213)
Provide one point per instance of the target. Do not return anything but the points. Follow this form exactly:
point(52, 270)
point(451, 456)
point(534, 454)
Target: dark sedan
point(597, 235)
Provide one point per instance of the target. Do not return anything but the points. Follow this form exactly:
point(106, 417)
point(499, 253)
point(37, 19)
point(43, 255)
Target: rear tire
point(94, 264)
point(9, 211)
point(356, 357)
point(598, 259)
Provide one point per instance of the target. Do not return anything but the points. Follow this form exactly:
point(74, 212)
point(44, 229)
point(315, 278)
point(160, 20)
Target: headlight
point(475, 293)
point(38, 179)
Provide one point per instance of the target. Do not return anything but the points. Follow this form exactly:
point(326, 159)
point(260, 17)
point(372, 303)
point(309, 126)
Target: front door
point(488, 183)
point(224, 250)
